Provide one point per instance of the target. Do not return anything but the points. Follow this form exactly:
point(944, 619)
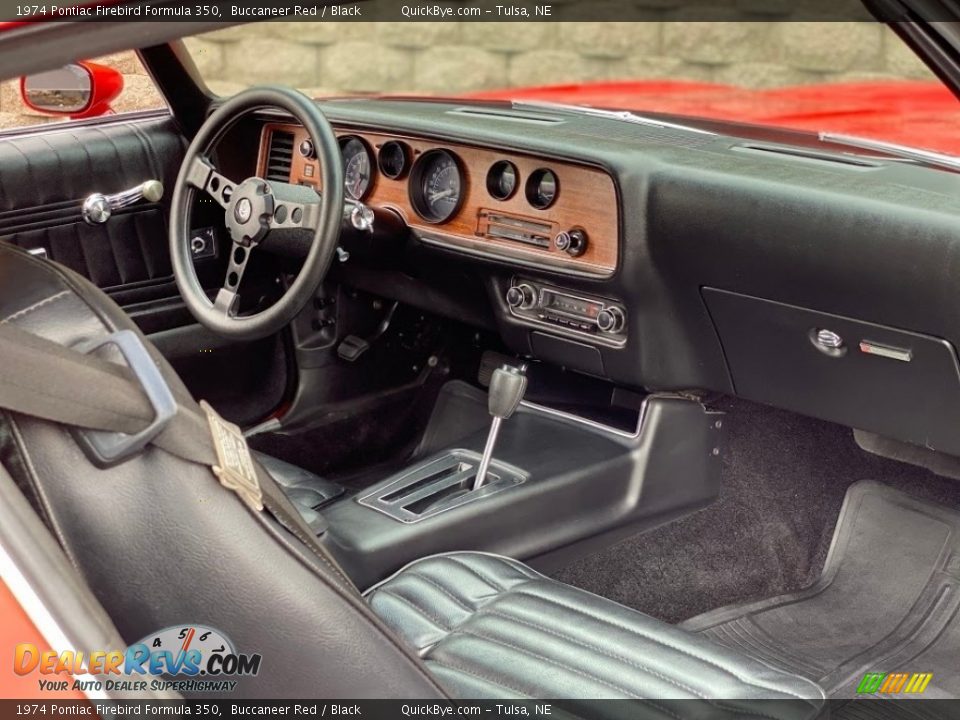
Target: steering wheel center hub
point(243, 210)
point(251, 209)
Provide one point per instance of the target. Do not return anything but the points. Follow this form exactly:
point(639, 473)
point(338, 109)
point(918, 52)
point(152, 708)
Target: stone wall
point(460, 57)
point(444, 58)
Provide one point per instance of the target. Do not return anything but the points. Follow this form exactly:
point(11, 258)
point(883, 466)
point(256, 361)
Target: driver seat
point(162, 544)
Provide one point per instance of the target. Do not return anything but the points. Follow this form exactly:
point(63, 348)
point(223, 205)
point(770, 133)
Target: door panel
point(45, 174)
point(128, 249)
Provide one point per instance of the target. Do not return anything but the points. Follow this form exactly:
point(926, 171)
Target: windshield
point(853, 78)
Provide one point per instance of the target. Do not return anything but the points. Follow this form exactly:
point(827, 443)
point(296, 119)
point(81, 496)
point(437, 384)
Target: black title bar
point(233, 11)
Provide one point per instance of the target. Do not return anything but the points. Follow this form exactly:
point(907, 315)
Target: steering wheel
point(254, 209)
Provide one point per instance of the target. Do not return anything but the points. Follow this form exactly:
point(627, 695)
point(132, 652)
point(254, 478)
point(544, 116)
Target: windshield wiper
point(621, 115)
point(927, 157)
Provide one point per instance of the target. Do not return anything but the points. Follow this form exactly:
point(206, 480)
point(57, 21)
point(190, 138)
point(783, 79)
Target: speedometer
point(357, 167)
point(436, 186)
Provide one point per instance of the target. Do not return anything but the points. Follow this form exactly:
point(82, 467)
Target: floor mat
point(888, 600)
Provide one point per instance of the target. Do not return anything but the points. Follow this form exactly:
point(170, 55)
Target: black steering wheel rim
point(327, 219)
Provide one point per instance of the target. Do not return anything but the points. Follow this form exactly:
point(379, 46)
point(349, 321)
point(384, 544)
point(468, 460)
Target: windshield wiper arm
point(621, 115)
point(928, 157)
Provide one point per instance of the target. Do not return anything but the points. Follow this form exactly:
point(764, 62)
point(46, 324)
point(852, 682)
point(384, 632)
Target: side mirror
point(80, 90)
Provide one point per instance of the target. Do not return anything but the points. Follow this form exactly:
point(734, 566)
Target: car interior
point(544, 402)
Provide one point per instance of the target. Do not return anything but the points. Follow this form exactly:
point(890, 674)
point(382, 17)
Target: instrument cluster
point(438, 178)
point(531, 210)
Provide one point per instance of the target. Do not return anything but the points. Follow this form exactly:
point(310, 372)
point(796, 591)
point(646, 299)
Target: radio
point(580, 313)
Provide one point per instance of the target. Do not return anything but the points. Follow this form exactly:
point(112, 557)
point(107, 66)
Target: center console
point(557, 485)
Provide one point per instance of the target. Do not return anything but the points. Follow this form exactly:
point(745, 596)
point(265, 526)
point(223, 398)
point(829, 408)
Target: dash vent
point(511, 115)
point(280, 156)
point(800, 153)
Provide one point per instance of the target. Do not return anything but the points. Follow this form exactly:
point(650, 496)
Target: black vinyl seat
point(308, 492)
point(161, 542)
point(490, 627)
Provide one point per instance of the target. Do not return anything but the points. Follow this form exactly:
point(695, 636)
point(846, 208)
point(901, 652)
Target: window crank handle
point(98, 208)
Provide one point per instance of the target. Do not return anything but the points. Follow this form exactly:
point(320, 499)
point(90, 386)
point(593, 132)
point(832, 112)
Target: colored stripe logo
point(894, 683)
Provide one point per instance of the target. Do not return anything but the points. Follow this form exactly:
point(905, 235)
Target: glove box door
point(897, 383)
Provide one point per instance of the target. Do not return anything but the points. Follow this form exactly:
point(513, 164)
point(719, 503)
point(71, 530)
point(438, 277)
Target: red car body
point(917, 113)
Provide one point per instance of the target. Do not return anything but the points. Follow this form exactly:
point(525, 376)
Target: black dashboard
point(742, 261)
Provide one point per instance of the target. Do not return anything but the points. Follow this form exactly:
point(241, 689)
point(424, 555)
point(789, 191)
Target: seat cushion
point(308, 492)
point(491, 627)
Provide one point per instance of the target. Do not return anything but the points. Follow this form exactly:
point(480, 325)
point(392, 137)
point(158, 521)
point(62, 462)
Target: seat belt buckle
point(106, 449)
point(234, 469)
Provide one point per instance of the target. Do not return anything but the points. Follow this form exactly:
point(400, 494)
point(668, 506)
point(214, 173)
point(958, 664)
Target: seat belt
point(103, 399)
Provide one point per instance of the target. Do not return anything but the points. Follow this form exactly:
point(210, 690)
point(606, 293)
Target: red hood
point(923, 114)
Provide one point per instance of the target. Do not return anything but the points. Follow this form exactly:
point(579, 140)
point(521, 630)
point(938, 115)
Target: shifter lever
point(507, 387)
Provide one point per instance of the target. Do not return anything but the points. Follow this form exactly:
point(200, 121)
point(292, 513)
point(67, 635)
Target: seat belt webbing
point(43, 379)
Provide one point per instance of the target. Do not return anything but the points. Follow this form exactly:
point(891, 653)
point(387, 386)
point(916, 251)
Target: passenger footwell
point(888, 601)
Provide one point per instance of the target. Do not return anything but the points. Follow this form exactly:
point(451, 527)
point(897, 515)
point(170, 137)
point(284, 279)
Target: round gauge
point(357, 167)
point(542, 188)
point(502, 180)
point(436, 186)
point(393, 159)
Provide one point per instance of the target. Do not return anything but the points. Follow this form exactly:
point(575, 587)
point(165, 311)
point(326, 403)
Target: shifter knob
point(507, 387)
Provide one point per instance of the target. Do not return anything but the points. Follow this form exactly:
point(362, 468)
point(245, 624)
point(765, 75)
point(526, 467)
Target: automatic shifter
point(507, 387)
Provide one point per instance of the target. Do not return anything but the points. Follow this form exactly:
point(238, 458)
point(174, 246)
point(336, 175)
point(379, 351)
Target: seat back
point(163, 544)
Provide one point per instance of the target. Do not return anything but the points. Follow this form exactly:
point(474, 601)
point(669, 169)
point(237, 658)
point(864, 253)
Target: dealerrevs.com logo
point(186, 658)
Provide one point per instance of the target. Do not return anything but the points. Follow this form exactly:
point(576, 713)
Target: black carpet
point(785, 478)
point(353, 440)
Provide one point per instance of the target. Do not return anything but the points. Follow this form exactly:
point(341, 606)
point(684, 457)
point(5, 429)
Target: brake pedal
point(352, 347)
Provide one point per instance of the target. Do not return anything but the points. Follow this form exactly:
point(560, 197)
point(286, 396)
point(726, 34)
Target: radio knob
point(572, 242)
point(611, 320)
point(522, 297)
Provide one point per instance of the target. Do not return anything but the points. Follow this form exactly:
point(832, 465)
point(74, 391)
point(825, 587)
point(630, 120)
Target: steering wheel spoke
point(295, 216)
point(202, 175)
point(227, 300)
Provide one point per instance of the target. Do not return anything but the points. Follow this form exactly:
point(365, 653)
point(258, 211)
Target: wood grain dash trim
point(587, 199)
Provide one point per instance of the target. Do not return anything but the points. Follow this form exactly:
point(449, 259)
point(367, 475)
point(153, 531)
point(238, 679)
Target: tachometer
point(357, 167)
point(436, 186)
